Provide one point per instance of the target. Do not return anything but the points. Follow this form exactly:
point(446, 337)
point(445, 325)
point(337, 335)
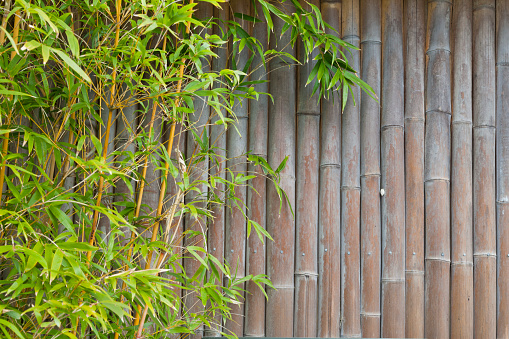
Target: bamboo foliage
point(370, 170)
point(415, 26)
point(329, 230)
point(461, 175)
point(437, 171)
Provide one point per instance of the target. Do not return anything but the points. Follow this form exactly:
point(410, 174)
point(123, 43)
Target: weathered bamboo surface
point(400, 227)
point(462, 312)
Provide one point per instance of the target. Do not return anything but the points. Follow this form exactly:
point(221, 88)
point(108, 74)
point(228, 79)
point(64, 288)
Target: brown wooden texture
point(393, 171)
point(461, 175)
point(415, 26)
point(329, 231)
point(350, 185)
point(370, 169)
point(280, 222)
point(437, 171)
point(484, 169)
point(307, 171)
point(254, 323)
point(502, 169)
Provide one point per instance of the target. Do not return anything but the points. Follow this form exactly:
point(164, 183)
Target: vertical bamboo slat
point(502, 170)
point(235, 225)
point(437, 171)
point(308, 149)
point(415, 25)
point(484, 169)
point(370, 169)
point(218, 140)
point(350, 185)
point(461, 175)
point(329, 223)
point(393, 171)
point(254, 323)
point(280, 222)
point(199, 171)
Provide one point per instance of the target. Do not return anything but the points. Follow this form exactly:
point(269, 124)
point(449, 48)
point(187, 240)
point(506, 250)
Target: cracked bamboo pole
point(393, 171)
point(236, 148)
point(502, 168)
point(461, 175)
point(218, 140)
point(350, 184)
point(329, 220)
point(198, 121)
point(415, 25)
point(437, 172)
point(280, 222)
point(306, 209)
point(254, 310)
point(370, 169)
point(485, 241)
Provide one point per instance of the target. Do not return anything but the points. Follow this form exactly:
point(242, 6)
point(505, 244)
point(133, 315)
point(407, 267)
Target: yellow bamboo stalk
point(4, 22)
point(5, 144)
point(141, 321)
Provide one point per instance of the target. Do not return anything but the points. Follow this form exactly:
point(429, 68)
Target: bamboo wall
point(400, 226)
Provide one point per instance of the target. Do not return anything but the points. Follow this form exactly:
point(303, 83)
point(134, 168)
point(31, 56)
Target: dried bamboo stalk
point(306, 209)
point(218, 139)
point(393, 171)
point(198, 121)
point(280, 222)
point(437, 172)
point(370, 170)
point(329, 223)
point(350, 185)
point(415, 25)
point(461, 175)
point(254, 310)
point(485, 240)
point(236, 148)
point(502, 168)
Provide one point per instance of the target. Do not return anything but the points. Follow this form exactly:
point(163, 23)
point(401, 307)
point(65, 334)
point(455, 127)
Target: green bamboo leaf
point(72, 64)
point(55, 264)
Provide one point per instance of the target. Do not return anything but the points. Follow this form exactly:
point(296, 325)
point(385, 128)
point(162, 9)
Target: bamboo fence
point(400, 227)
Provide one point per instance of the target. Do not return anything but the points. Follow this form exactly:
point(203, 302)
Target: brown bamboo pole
point(280, 222)
point(4, 21)
point(306, 209)
point(254, 311)
point(437, 171)
point(461, 175)
point(370, 170)
point(485, 241)
point(393, 171)
point(236, 148)
point(329, 222)
point(350, 185)
point(198, 121)
point(415, 26)
point(218, 139)
point(502, 149)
